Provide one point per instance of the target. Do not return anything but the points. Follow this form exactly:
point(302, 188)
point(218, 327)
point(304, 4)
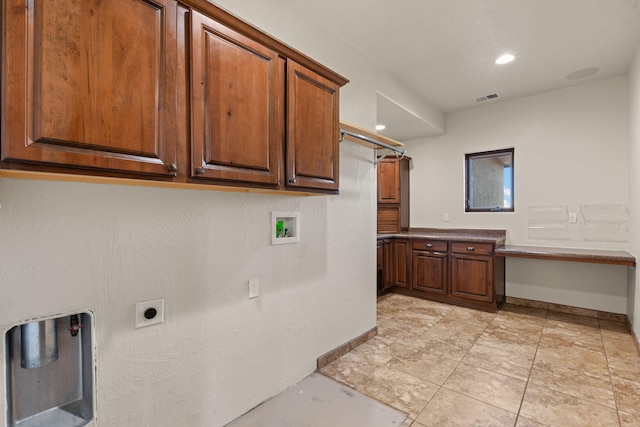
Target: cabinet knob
point(429, 245)
point(292, 181)
point(200, 170)
point(471, 248)
point(173, 167)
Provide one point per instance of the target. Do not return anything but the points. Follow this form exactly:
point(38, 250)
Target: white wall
point(75, 246)
point(290, 22)
point(633, 309)
point(571, 148)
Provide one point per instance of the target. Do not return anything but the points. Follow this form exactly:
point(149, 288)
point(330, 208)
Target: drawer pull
point(429, 245)
point(471, 248)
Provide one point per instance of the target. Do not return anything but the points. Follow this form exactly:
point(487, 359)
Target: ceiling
point(444, 50)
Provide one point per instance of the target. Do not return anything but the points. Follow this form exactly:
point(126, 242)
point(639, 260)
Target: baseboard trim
point(345, 348)
point(636, 341)
point(604, 315)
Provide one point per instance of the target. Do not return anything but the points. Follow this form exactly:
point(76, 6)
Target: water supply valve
point(74, 325)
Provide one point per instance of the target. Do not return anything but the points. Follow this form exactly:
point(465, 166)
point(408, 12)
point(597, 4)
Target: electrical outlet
point(446, 217)
point(254, 288)
point(573, 218)
point(149, 313)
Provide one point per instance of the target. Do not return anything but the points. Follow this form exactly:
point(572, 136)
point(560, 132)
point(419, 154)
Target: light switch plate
point(254, 288)
point(142, 307)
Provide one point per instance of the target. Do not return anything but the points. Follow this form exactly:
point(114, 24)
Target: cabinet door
point(90, 84)
point(388, 172)
point(237, 93)
point(429, 272)
point(313, 131)
point(472, 277)
point(402, 256)
point(388, 267)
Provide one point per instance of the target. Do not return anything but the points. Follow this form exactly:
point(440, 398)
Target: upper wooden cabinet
point(90, 84)
point(158, 90)
point(237, 98)
point(313, 128)
point(389, 181)
point(393, 194)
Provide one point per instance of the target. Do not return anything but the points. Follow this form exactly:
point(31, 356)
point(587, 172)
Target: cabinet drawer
point(388, 220)
point(389, 214)
point(430, 245)
point(472, 248)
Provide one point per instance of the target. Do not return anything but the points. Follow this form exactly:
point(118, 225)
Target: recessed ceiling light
point(380, 127)
point(505, 59)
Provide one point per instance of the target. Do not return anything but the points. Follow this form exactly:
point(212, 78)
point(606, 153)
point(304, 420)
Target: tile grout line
point(545, 325)
point(440, 387)
point(367, 377)
point(387, 365)
point(517, 414)
point(526, 386)
point(570, 395)
point(606, 358)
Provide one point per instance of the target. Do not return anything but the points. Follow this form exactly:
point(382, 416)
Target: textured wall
point(571, 148)
point(68, 246)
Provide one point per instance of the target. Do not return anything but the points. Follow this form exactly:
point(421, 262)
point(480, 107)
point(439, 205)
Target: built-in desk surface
point(568, 254)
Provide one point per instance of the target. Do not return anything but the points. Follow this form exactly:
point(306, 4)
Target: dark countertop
point(496, 237)
point(599, 256)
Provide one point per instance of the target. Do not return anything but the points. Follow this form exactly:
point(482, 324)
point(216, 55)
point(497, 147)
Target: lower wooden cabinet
point(429, 272)
point(402, 257)
point(456, 272)
point(472, 277)
point(388, 265)
point(429, 265)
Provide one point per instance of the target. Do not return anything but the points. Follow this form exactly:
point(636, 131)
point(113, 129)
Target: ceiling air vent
point(487, 97)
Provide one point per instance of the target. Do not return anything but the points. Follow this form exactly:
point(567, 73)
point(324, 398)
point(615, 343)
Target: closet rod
point(372, 141)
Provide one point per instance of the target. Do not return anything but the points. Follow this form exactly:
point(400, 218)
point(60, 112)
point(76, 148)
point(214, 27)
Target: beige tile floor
point(452, 366)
